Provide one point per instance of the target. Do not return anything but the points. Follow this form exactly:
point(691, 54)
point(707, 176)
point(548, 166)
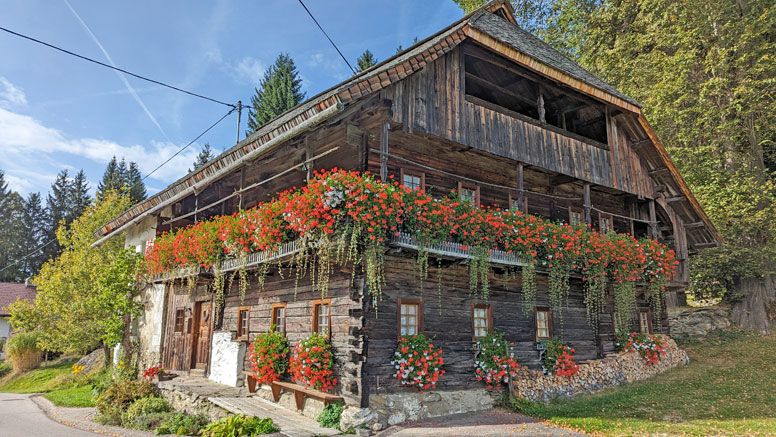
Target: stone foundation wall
point(387, 409)
point(697, 322)
point(594, 375)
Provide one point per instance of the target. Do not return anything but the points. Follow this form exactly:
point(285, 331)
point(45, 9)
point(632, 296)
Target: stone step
point(291, 423)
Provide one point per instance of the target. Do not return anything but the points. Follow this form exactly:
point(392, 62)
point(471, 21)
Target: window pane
point(412, 182)
point(408, 320)
point(323, 318)
point(468, 195)
point(644, 322)
point(542, 324)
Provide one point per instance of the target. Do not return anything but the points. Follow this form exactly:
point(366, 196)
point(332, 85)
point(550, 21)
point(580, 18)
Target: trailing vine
point(528, 279)
point(219, 293)
point(624, 304)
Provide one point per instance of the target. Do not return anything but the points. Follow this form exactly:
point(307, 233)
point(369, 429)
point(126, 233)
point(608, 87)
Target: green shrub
point(147, 422)
point(238, 426)
point(330, 416)
point(5, 368)
point(182, 424)
point(135, 416)
point(112, 403)
point(23, 352)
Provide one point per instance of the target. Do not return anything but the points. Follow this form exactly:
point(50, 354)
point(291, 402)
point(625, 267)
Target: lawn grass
point(729, 388)
point(79, 396)
point(41, 380)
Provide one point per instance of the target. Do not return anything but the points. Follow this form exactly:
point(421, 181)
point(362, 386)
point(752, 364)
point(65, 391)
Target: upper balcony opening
point(498, 81)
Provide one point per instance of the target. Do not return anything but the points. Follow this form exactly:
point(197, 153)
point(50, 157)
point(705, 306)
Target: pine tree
point(34, 225)
point(278, 91)
point(205, 155)
point(79, 197)
point(366, 60)
point(111, 179)
point(134, 182)
point(11, 230)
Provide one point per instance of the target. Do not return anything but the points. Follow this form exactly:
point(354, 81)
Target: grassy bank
point(55, 381)
point(728, 388)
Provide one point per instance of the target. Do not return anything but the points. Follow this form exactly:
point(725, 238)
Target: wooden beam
point(501, 89)
point(658, 171)
point(540, 106)
point(639, 144)
point(588, 205)
point(694, 225)
point(562, 179)
point(654, 230)
point(520, 187)
point(384, 152)
point(675, 199)
point(704, 245)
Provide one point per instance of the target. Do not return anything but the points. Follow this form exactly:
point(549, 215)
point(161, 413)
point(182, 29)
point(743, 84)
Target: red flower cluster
point(313, 363)
point(417, 362)
point(502, 371)
point(565, 364)
point(152, 372)
point(650, 347)
point(336, 200)
point(268, 355)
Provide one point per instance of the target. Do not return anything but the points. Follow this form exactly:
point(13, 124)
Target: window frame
point(472, 187)
point(273, 316)
point(240, 319)
point(648, 315)
point(576, 210)
point(536, 323)
point(316, 308)
point(420, 175)
point(605, 216)
point(488, 319)
point(182, 312)
point(524, 208)
point(419, 314)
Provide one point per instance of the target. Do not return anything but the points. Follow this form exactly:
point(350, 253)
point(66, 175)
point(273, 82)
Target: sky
point(58, 112)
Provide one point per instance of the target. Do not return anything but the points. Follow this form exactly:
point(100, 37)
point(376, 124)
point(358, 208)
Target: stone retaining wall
point(594, 375)
point(697, 322)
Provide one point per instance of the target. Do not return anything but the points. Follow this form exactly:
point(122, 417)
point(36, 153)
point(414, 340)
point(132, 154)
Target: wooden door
point(178, 333)
point(201, 344)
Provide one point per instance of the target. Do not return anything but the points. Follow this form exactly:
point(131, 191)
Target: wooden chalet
point(481, 108)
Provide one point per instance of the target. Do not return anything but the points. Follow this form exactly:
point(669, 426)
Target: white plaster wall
point(148, 326)
point(5, 331)
point(226, 359)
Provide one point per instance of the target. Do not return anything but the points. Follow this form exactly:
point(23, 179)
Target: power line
point(44, 245)
point(41, 247)
point(116, 68)
point(190, 143)
point(327, 37)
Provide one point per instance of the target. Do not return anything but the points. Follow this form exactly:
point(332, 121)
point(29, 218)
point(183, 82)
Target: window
point(322, 317)
point(604, 223)
point(468, 193)
point(543, 324)
point(482, 320)
point(243, 318)
point(576, 216)
point(644, 322)
point(410, 317)
point(513, 204)
point(413, 181)
point(180, 320)
point(279, 317)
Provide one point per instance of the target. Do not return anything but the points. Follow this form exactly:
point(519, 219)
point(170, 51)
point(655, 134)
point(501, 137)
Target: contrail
point(121, 76)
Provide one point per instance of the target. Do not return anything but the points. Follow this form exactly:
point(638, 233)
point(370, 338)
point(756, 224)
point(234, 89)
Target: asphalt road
point(20, 417)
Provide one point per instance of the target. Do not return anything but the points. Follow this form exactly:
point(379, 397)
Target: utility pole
point(239, 118)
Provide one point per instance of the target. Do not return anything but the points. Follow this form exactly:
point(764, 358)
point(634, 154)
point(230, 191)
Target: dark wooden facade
point(458, 115)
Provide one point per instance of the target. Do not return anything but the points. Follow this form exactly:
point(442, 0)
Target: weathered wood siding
point(432, 101)
point(346, 312)
point(447, 317)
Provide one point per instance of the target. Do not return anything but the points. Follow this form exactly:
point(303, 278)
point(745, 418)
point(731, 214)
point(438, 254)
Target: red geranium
point(312, 363)
point(268, 355)
point(417, 362)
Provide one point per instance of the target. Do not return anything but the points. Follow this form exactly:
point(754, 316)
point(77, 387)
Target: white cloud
point(248, 70)
point(10, 94)
point(23, 137)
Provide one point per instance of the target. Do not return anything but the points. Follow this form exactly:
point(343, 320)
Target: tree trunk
point(756, 311)
point(108, 356)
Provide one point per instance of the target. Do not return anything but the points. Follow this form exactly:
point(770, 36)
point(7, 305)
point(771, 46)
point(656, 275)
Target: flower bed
point(651, 347)
point(559, 359)
point(268, 355)
point(342, 217)
point(494, 365)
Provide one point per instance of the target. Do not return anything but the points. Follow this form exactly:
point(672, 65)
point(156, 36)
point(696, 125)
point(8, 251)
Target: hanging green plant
point(528, 279)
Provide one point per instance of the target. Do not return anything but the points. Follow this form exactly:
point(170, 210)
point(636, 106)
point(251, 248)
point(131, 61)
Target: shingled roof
point(492, 26)
point(11, 291)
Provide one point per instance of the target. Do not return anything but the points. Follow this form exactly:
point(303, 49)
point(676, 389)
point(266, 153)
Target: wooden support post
point(384, 152)
point(588, 205)
point(242, 184)
point(520, 188)
point(540, 106)
point(307, 155)
point(196, 206)
point(653, 228)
